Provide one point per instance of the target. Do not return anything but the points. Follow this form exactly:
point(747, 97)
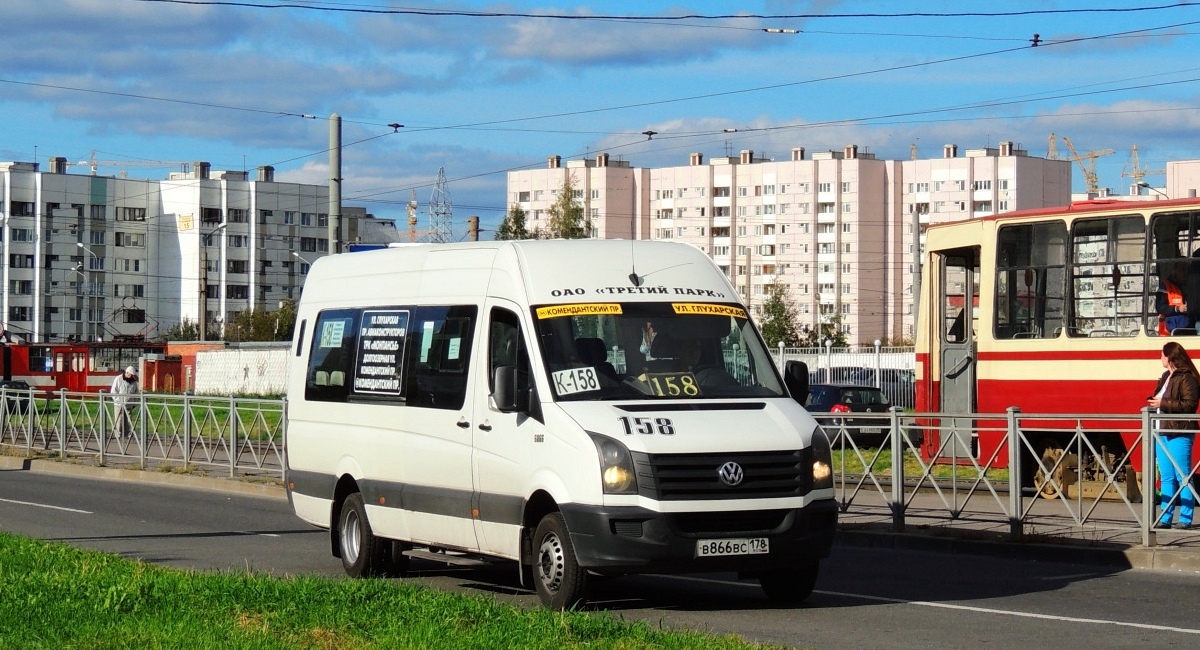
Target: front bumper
point(636, 540)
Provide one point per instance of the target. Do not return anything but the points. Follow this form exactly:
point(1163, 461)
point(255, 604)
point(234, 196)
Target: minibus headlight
point(822, 460)
point(616, 466)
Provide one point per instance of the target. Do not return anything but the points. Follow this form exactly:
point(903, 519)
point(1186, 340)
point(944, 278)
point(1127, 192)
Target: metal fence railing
point(232, 436)
point(1082, 482)
point(1078, 482)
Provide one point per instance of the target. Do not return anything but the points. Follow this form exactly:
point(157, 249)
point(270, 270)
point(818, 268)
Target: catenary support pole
point(335, 183)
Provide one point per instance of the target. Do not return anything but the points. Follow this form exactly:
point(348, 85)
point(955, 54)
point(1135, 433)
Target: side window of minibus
point(330, 362)
point(506, 346)
point(439, 355)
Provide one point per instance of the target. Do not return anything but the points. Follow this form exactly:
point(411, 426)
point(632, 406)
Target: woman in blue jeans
point(1178, 391)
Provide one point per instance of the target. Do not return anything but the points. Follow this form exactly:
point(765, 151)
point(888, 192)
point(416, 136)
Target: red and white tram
point(77, 367)
point(1051, 311)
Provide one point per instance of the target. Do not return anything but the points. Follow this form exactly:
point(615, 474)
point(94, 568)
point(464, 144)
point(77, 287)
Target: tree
point(185, 330)
point(514, 225)
point(829, 330)
point(567, 220)
point(778, 322)
point(262, 325)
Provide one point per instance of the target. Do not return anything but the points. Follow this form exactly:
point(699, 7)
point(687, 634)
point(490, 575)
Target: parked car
point(17, 393)
point(851, 398)
point(899, 384)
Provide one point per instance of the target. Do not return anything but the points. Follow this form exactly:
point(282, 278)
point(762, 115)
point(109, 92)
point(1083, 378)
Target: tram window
point(1107, 277)
point(104, 360)
point(41, 359)
point(957, 332)
point(960, 295)
point(1030, 280)
point(1175, 246)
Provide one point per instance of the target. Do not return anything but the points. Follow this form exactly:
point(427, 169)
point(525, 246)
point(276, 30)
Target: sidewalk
point(927, 526)
point(1106, 538)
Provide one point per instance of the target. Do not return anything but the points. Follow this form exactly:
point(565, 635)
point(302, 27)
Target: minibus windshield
point(639, 350)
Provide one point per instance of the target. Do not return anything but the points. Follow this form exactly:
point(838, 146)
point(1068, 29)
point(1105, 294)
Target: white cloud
point(558, 42)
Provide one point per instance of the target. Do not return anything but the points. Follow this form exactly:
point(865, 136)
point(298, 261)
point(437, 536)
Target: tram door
point(69, 366)
point(958, 303)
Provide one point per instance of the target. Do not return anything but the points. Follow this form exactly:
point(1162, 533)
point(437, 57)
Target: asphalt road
point(865, 598)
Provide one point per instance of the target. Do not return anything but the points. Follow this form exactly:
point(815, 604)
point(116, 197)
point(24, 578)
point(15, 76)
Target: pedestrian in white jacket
point(124, 387)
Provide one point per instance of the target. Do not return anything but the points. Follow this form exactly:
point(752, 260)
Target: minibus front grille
point(766, 474)
point(740, 522)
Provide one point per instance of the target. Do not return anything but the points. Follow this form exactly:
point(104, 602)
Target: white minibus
point(580, 407)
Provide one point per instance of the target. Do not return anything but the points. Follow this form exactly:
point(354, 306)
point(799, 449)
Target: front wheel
point(561, 583)
point(789, 585)
point(363, 554)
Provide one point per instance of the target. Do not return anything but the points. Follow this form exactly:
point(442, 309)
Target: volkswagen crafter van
point(581, 407)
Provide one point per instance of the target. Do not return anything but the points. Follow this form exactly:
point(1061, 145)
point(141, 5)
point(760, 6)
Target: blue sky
point(229, 83)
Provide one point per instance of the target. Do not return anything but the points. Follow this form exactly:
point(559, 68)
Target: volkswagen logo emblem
point(730, 474)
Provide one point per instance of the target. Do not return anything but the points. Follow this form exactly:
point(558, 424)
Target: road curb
point(171, 479)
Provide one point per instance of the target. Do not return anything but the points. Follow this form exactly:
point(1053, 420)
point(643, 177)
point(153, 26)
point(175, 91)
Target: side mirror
point(507, 396)
point(795, 377)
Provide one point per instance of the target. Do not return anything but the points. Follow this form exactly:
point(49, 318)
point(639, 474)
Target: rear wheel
point(393, 563)
point(560, 582)
point(363, 554)
point(791, 584)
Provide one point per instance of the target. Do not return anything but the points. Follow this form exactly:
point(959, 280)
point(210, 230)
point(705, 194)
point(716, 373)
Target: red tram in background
point(1052, 311)
point(76, 367)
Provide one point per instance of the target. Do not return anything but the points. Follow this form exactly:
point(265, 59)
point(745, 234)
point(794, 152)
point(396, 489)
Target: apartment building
point(611, 192)
point(836, 227)
point(1183, 180)
point(97, 257)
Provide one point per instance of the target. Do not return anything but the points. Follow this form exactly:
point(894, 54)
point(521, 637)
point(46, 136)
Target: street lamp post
point(204, 242)
point(1153, 189)
point(291, 280)
point(83, 280)
point(90, 318)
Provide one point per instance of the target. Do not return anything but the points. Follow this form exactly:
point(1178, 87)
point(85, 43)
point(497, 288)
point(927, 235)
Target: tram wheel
point(1050, 489)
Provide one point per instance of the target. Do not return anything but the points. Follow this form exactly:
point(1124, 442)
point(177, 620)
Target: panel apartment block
point(94, 257)
point(836, 227)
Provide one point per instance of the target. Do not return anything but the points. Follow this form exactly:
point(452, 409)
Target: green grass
point(847, 461)
point(57, 596)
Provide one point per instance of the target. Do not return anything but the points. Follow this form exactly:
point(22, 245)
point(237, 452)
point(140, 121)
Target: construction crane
point(411, 210)
point(1138, 173)
point(1089, 167)
point(95, 164)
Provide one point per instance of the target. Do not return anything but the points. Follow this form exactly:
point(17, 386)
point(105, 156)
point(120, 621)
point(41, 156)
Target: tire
point(394, 563)
point(560, 582)
point(789, 585)
point(363, 554)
